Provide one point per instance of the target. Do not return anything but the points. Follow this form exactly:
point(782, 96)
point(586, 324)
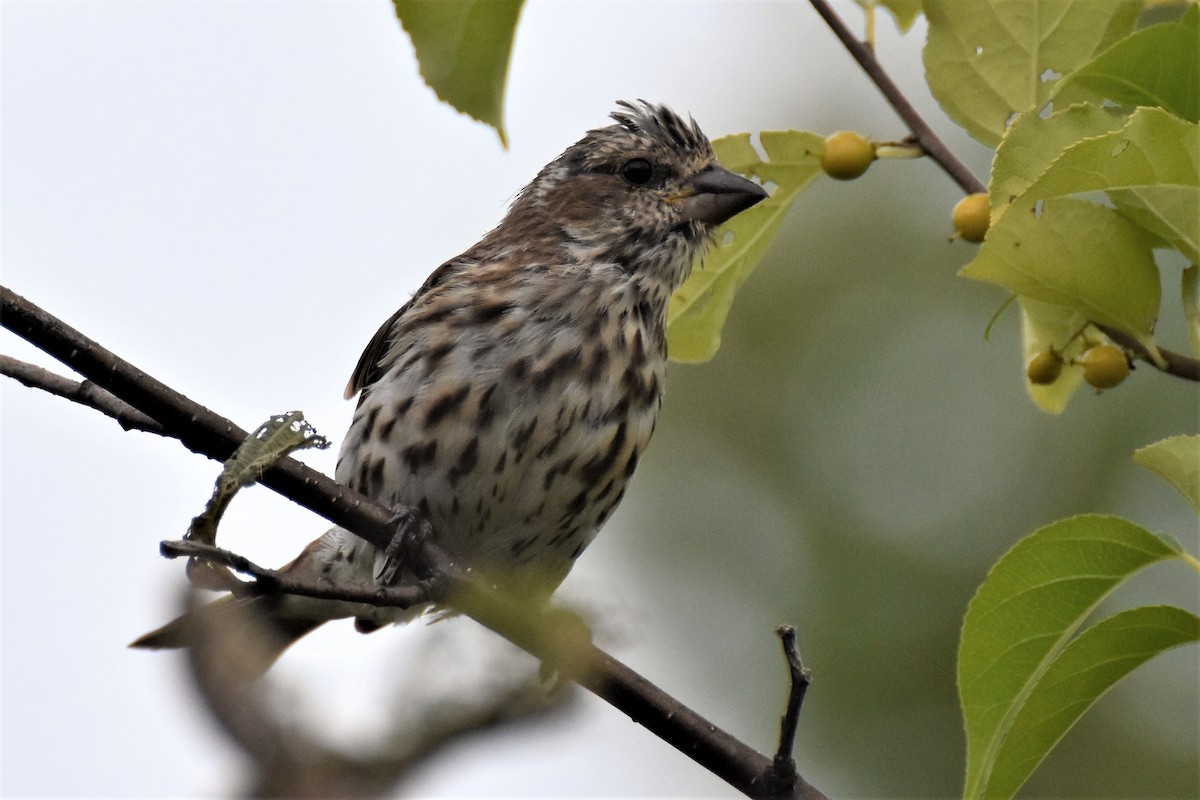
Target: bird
point(509, 401)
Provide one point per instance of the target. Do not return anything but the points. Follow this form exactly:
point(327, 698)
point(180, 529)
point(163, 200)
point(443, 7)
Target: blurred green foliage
point(857, 458)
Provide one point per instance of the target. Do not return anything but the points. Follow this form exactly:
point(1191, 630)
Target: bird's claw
point(411, 532)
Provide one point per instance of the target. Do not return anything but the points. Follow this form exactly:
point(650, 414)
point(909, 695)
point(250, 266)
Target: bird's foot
point(412, 531)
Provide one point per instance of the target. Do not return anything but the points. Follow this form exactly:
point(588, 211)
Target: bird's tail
point(248, 634)
point(245, 635)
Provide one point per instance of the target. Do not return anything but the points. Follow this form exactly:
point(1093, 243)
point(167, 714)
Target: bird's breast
point(519, 441)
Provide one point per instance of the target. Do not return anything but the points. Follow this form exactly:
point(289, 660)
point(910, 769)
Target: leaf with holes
point(275, 439)
point(990, 59)
point(463, 49)
point(1075, 254)
point(1033, 143)
point(1016, 661)
point(1150, 168)
point(698, 308)
point(1157, 66)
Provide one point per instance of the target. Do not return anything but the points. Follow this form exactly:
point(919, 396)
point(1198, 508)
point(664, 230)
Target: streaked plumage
point(510, 399)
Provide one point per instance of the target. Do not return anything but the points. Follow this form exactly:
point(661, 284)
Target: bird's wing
point(374, 361)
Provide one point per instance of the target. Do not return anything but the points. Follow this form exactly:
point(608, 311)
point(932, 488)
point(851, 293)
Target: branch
point(1176, 364)
point(783, 768)
point(82, 392)
point(209, 434)
point(198, 428)
point(922, 133)
point(270, 581)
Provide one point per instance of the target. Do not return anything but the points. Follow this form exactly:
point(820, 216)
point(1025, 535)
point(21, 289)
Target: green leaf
point(1085, 669)
point(1032, 143)
point(463, 49)
point(1190, 288)
point(1157, 66)
point(1045, 325)
point(1177, 461)
point(1147, 161)
point(905, 12)
point(1078, 255)
point(1020, 620)
point(697, 311)
point(1163, 213)
point(1150, 168)
point(989, 59)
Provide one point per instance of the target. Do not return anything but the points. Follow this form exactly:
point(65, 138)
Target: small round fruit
point(1044, 368)
point(847, 155)
point(1104, 366)
point(971, 217)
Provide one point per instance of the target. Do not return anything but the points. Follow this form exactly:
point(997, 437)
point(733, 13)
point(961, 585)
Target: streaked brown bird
point(510, 399)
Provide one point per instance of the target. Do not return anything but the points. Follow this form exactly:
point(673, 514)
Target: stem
point(1173, 363)
point(924, 135)
point(783, 767)
point(82, 392)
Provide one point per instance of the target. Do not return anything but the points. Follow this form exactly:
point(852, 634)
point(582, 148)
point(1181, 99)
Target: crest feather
point(660, 122)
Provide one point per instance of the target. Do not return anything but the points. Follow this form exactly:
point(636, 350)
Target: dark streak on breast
point(595, 468)
point(445, 405)
point(419, 455)
point(466, 462)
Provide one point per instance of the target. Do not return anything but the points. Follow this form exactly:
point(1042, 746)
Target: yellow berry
point(1104, 366)
point(971, 217)
point(1044, 368)
point(847, 155)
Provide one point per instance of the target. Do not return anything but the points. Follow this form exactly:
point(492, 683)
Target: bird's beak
point(716, 194)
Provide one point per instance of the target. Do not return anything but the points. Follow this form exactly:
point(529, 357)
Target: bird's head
point(645, 194)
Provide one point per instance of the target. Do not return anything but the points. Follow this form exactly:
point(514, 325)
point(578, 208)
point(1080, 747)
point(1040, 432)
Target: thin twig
point(783, 767)
point(270, 581)
point(82, 392)
point(208, 433)
point(1176, 364)
point(922, 133)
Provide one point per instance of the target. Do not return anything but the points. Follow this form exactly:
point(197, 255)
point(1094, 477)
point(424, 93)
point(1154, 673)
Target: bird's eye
point(637, 171)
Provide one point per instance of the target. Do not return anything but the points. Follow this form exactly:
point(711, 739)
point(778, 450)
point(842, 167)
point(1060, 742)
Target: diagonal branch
point(933, 146)
point(270, 581)
point(82, 392)
point(209, 434)
point(1173, 363)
